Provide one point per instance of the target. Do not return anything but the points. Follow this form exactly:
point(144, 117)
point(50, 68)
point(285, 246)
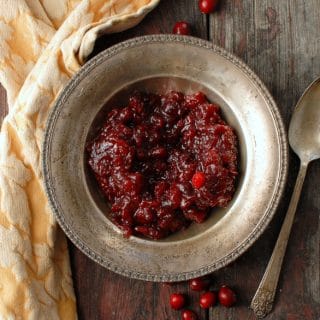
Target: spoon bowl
point(304, 130)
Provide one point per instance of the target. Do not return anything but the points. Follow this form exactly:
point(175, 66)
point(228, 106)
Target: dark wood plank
point(159, 21)
point(279, 40)
point(3, 103)
point(102, 294)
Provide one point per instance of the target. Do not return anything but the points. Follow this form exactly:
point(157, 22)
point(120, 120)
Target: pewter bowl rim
point(190, 41)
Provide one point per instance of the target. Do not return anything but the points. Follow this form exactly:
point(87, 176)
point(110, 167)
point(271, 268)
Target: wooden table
point(279, 40)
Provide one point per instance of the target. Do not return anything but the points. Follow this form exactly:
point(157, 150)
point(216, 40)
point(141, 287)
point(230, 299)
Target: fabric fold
point(42, 44)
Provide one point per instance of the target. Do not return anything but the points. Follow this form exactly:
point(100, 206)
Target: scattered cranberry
point(189, 315)
point(182, 28)
point(177, 301)
point(198, 180)
point(199, 284)
point(226, 296)
point(208, 299)
point(207, 6)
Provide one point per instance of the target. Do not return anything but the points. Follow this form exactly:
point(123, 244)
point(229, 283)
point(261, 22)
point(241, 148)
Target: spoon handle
point(262, 302)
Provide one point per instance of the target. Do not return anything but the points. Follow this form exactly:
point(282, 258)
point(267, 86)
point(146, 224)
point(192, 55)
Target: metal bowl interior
point(162, 85)
point(159, 64)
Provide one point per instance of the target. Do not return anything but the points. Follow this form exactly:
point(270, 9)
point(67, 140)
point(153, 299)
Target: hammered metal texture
point(159, 63)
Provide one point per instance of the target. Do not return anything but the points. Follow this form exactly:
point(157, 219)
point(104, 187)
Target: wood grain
point(161, 20)
point(279, 40)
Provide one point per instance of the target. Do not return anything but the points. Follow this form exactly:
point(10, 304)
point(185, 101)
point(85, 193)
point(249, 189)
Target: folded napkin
point(42, 44)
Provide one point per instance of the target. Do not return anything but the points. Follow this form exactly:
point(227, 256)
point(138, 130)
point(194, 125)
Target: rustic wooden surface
point(280, 41)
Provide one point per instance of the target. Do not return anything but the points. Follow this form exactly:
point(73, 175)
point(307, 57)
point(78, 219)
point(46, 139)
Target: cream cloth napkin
point(42, 44)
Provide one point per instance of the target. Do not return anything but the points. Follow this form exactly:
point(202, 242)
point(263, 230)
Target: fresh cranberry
point(198, 180)
point(188, 315)
point(159, 152)
point(177, 301)
point(175, 196)
point(207, 6)
point(200, 97)
point(157, 121)
point(199, 284)
point(144, 216)
point(208, 299)
point(197, 216)
point(226, 296)
point(182, 28)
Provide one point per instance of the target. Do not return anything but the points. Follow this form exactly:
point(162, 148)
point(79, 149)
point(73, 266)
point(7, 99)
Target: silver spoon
point(304, 139)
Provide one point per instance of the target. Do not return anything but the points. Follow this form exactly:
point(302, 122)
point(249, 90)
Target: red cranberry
point(207, 6)
point(128, 185)
point(126, 217)
point(175, 196)
point(197, 216)
point(199, 284)
point(200, 97)
point(198, 180)
point(160, 189)
point(145, 158)
point(125, 115)
point(157, 121)
point(188, 315)
point(226, 296)
point(177, 301)
point(208, 299)
point(144, 215)
point(158, 152)
point(182, 28)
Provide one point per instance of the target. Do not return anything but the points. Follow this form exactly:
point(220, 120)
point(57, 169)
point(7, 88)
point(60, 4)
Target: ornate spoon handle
point(262, 302)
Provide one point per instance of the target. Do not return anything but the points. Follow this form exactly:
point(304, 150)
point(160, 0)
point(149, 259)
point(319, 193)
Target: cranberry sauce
point(164, 161)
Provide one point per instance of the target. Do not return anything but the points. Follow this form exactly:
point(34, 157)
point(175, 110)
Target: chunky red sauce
point(163, 162)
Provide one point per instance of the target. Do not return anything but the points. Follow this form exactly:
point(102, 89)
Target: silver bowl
point(160, 63)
